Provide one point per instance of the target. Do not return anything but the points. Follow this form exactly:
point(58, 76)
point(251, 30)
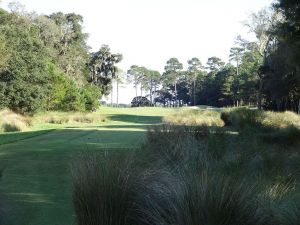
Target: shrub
point(73, 100)
point(91, 96)
point(140, 101)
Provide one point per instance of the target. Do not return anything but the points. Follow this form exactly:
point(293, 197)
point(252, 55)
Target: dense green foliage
point(45, 63)
point(282, 76)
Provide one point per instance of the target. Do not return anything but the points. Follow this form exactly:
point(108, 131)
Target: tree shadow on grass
point(6, 138)
point(124, 127)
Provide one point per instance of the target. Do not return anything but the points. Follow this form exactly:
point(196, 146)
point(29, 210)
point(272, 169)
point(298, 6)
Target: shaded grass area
point(18, 136)
point(37, 182)
point(136, 119)
point(37, 176)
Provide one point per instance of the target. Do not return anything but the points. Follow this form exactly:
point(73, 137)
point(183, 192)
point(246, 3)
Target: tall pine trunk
point(154, 95)
point(175, 86)
point(259, 99)
point(111, 95)
point(194, 92)
point(151, 86)
point(117, 93)
point(136, 91)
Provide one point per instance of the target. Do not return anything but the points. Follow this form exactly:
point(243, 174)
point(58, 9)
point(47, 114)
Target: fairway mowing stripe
point(85, 133)
point(26, 138)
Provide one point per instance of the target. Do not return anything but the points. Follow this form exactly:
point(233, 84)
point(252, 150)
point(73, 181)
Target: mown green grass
point(36, 183)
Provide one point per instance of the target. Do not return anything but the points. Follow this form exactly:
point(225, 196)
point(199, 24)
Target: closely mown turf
point(36, 185)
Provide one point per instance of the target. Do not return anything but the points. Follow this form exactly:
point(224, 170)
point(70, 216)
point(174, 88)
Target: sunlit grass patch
point(13, 122)
point(281, 119)
point(196, 117)
point(245, 117)
point(69, 117)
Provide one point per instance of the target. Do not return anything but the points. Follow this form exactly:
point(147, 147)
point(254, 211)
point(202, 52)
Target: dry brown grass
point(69, 117)
point(195, 117)
point(281, 120)
point(13, 122)
point(242, 117)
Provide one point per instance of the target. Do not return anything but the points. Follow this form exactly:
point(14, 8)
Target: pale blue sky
point(149, 32)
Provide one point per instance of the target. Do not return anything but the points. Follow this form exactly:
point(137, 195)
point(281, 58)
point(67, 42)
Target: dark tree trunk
point(151, 87)
point(154, 95)
point(175, 86)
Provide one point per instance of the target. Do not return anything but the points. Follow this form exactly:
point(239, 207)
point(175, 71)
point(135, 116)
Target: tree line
point(46, 64)
point(263, 73)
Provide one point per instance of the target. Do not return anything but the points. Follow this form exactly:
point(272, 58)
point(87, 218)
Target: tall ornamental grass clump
point(273, 127)
point(103, 190)
point(244, 117)
point(70, 117)
point(241, 118)
point(195, 117)
point(13, 122)
point(281, 120)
